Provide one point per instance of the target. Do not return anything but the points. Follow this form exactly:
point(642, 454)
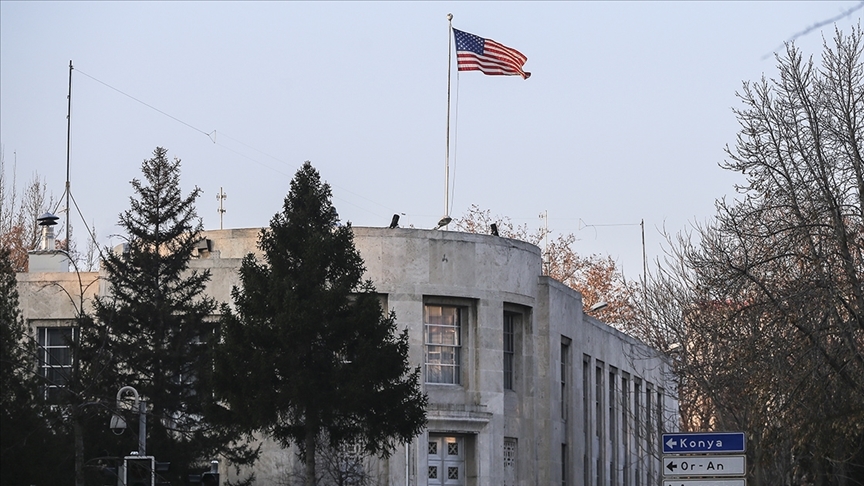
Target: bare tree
point(345, 465)
point(19, 230)
point(596, 277)
point(767, 306)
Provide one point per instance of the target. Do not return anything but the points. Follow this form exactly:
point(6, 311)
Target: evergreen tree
point(153, 326)
point(27, 437)
point(17, 387)
point(309, 354)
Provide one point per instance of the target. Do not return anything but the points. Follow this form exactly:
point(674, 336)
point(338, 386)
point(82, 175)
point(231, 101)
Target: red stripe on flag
point(497, 59)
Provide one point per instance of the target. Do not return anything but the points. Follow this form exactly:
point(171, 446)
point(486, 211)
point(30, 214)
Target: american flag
point(474, 53)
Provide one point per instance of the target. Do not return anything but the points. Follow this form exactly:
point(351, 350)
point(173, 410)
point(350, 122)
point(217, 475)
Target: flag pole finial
point(449, 16)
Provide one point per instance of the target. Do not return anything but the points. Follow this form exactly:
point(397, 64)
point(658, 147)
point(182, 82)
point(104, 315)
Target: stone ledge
point(465, 419)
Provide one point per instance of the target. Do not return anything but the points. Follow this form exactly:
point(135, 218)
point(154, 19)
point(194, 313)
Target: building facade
point(524, 388)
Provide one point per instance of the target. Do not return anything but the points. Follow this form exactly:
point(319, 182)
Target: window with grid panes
point(55, 359)
point(565, 358)
point(509, 348)
point(443, 343)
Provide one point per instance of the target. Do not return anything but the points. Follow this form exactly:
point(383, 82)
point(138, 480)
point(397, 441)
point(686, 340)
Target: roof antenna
point(221, 197)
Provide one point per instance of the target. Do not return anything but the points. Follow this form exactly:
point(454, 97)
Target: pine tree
point(17, 385)
point(28, 436)
point(309, 355)
point(153, 326)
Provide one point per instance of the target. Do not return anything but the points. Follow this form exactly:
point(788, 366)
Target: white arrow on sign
point(704, 482)
point(704, 465)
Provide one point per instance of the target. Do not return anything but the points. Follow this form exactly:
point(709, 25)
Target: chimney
point(47, 222)
point(46, 258)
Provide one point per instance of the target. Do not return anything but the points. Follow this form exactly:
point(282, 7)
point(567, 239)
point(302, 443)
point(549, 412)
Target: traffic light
point(139, 470)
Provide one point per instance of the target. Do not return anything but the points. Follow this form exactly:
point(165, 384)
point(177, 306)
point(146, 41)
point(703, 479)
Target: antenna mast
point(221, 197)
point(68, 140)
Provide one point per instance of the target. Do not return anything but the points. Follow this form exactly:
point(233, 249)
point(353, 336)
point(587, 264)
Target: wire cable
point(147, 105)
point(212, 137)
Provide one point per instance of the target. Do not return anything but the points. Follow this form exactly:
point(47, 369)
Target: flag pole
point(447, 150)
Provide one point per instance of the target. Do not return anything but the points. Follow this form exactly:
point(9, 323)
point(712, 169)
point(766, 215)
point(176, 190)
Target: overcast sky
point(625, 117)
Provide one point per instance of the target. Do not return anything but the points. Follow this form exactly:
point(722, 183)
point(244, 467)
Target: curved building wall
point(524, 389)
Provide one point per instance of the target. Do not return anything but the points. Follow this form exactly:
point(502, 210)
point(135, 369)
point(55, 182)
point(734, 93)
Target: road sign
point(705, 482)
point(710, 465)
point(691, 442)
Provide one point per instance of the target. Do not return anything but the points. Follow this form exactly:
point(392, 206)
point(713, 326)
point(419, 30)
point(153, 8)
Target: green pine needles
point(309, 356)
point(153, 330)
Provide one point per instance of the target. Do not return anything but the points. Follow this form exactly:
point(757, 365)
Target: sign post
point(704, 459)
point(703, 442)
point(712, 465)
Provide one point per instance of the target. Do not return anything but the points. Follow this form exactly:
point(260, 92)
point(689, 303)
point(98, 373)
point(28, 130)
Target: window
point(509, 348)
point(637, 408)
point(599, 428)
point(565, 358)
point(625, 426)
point(443, 343)
point(649, 428)
point(638, 425)
point(613, 427)
point(55, 358)
point(586, 418)
point(564, 466)
point(510, 450)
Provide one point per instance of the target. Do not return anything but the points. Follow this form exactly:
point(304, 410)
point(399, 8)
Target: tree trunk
point(79, 451)
point(310, 456)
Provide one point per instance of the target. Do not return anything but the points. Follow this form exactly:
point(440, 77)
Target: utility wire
point(147, 105)
point(212, 136)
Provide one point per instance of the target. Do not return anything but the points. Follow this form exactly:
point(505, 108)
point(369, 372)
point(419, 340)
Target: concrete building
point(524, 388)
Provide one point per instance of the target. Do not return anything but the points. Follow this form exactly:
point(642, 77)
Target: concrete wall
point(56, 297)
point(487, 276)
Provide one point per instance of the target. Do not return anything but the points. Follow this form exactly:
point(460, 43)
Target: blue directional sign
point(701, 442)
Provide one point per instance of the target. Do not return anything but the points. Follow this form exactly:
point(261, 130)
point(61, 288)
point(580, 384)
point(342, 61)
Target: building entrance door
point(446, 461)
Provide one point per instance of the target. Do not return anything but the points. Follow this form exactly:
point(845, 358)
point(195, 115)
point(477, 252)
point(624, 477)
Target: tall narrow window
point(586, 418)
point(613, 428)
point(564, 466)
point(600, 428)
point(598, 399)
point(565, 358)
point(443, 343)
point(638, 426)
point(625, 428)
point(509, 349)
point(55, 359)
point(649, 427)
